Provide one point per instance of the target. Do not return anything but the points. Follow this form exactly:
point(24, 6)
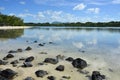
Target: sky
point(62, 10)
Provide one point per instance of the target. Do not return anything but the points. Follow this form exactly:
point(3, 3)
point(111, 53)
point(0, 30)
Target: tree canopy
point(6, 20)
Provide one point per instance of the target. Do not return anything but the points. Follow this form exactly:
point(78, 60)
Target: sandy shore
point(14, 27)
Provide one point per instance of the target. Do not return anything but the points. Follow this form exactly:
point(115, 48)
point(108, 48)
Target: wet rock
point(41, 44)
point(35, 41)
point(51, 78)
point(3, 78)
point(22, 59)
point(29, 78)
point(8, 73)
point(14, 65)
point(28, 48)
point(97, 76)
point(83, 71)
point(60, 68)
point(70, 59)
point(14, 62)
point(27, 64)
point(43, 53)
point(3, 62)
point(79, 63)
point(9, 56)
point(51, 60)
point(40, 63)
point(66, 77)
point(12, 51)
point(41, 73)
point(19, 50)
point(5, 58)
point(50, 42)
point(29, 59)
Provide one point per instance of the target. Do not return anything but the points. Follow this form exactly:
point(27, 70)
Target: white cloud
point(40, 15)
point(116, 1)
point(80, 6)
point(22, 2)
point(25, 15)
point(2, 8)
point(93, 10)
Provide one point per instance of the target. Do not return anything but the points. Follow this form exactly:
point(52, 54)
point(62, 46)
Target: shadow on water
point(11, 34)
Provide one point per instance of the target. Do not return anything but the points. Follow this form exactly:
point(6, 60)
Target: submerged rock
point(51, 78)
point(29, 59)
point(79, 63)
point(60, 68)
point(51, 60)
point(66, 77)
point(41, 73)
point(3, 62)
point(8, 73)
point(70, 59)
point(43, 53)
point(97, 76)
point(41, 44)
point(29, 78)
point(14, 62)
point(9, 56)
point(12, 51)
point(28, 48)
point(19, 50)
point(35, 41)
point(27, 64)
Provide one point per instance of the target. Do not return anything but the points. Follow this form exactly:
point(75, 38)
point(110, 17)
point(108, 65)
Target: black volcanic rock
point(79, 63)
point(29, 78)
point(41, 73)
point(9, 56)
point(8, 73)
point(28, 48)
point(51, 60)
point(60, 68)
point(19, 50)
point(14, 62)
point(97, 76)
point(12, 51)
point(51, 78)
point(29, 59)
point(70, 59)
point(27, 64)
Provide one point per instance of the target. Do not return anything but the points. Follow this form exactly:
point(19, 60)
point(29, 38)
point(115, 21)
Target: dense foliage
point(6, 20)
point(87, 24)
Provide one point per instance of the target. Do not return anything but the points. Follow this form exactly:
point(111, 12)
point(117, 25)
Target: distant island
point(7, 20)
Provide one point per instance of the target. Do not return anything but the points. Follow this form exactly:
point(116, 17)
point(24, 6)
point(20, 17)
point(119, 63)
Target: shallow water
point(99, 46)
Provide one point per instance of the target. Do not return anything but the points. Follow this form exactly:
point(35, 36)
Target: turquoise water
point(96, 43)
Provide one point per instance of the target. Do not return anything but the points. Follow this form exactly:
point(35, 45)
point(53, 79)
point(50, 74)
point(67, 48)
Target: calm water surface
point(96, 43)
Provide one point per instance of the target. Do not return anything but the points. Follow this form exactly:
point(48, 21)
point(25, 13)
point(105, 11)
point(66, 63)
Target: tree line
point(7, 20)
point(87, 24)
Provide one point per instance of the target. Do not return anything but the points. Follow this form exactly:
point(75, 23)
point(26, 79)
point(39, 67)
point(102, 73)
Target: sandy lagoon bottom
point(95, 63)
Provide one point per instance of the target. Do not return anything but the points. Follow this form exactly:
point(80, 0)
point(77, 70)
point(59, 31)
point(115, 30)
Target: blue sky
point(62, 10)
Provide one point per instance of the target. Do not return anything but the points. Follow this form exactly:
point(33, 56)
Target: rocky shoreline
point(43, 70)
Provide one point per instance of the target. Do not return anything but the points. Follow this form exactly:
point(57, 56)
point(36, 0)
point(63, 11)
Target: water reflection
point(88, 29)
point(11, 34)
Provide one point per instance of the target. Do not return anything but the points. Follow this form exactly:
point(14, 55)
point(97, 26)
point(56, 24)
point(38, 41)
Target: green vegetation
point(6, 20)
point(87, 24)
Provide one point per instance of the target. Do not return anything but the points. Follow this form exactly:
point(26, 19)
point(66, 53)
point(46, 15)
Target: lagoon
point(99, 46)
